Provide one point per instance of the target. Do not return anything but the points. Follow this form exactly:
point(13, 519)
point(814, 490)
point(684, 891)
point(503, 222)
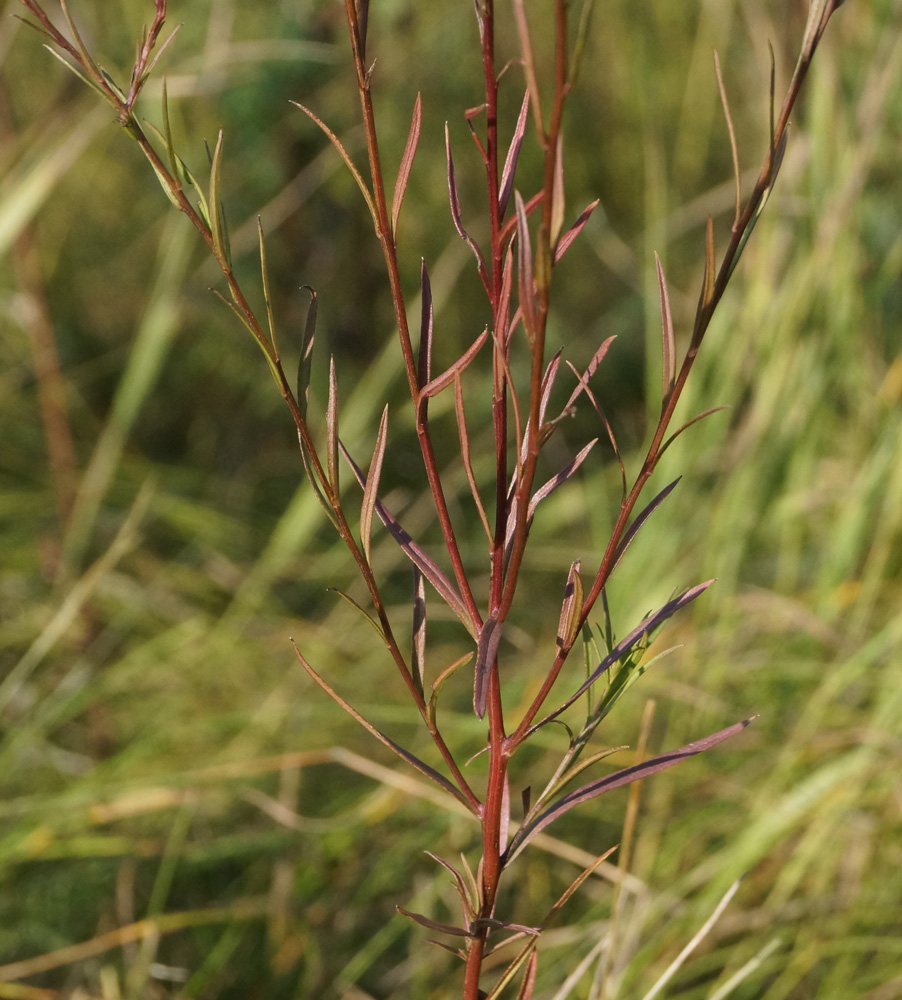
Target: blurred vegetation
point(162, 756)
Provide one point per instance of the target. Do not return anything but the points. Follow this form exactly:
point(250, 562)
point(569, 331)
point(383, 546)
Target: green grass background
point(161, 754)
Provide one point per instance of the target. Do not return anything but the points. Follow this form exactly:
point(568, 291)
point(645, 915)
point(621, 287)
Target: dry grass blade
point(668, 343)
point(370, 491)
point(407, 157)
point(576, 883)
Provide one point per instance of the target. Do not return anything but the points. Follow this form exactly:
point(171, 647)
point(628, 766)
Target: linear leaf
point(219, 230)
point(646, 513)
point(418, 631)
point(421, 766)
point(417, 556)
point(558, 202)
point(406, 163)
point(525, 275)
point(372, 485)
point(646, 626)
point(267, 299)
point(167, 133)
point(732, 131)
point(570, 609)
point(464, 437)
point(513, 154)
point(349, 163)
point(434, 387)
point(486, 656)
point(332, 428)
point(527, 987)
point(591, 368)
point(566, 241)
point(617, 780)
point(424, 355)
point(470, 904)
point(668, 345)
point(455, 212)
point(688, 424)
point(434, 925)
point(710, 273)
point(305, 361)
point(355, 605)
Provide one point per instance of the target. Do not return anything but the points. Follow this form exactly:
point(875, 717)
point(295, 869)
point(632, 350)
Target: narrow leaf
point(646, 513)
point(566, 241)
point(434, 387)
point(167, 134)
point(305, 360)
point(424, 356)
point(710, 273)
point(688, 424)
point(570, 609)
point(370, 491)
point(455, 212)
point(434, 925)
point(546, 489)
point(332, 428)
point(356, 606)
point(486, 656)
point(469, 904)
point(732, 131)
point(591, 368)
point(219, 230)
point(423, 768)
point(264, 272)
point(576, 883)
point(349, 163)
point(637, 772)
point(418, 631)
point(558, 196)
point(527, 287)
point(668, 343)
point(527, 987)
point(410, 150)
point(646, 626)
point(513, 154)
point(464, 437)
point(548, 379)
point(417, 556)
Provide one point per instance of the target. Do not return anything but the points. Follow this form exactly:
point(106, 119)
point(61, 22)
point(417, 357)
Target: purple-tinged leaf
point(421, 766)
point(627, 776)
point(370, 491)
point(571, 608)
point(434, 387)
point(566, 241)
point(332, 428)
point(343, 153)
point(522, 958)
point(429, 568)
point(418, 631)
point(406, 163)
point(510, 227)
point(525, 275)
point(470, 905)
point(456, 952)
point(529, 67)
point(646, 626)
point(362, 8)
point(464, 436)
point(584, 387)
point(558, 196)
point(434, 925)
point(504, 302)
point(424, 356)
point(513, 154)
point(486, 657)
point(546, 489)
point(548, 384)
point(633, 529)
point(688, 424)
point(668, 342)
point(455, 213)
point(591, 368)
